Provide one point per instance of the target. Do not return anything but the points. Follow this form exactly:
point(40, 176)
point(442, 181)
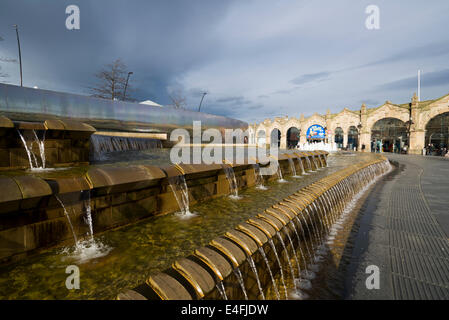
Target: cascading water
point(294, 253)
point(253, 267)
point(84, 250)
point(309, 164)
point(292, 168)
point(32, 159)
point(239, 276)
point(303, 171)
point(41, 145)
point(102, 144)
point(259, 177)
point(89, 215)
point(273, 247)
point(180, 190)
point(286, 254)
point(230, 176)
point(275, 287)
point(279, 172)
point(68, 220)
point(315, 163)
point(221, 290)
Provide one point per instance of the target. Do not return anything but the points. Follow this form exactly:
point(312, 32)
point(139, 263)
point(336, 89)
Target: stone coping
point(110, 179)
point(52, 124)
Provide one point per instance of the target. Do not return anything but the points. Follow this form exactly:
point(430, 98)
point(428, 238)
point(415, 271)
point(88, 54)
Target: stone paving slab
point(403, 230)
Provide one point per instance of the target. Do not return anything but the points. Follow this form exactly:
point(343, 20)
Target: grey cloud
point(414, 53)
point(428, 80)
point(311, 77)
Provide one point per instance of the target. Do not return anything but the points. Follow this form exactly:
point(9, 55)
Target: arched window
point(437, 135)
point(389, 135)
point(292, 137)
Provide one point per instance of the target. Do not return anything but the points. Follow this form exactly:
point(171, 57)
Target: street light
point(20, 54)
point(359, 144)
point(199, 108)
point(126, 85)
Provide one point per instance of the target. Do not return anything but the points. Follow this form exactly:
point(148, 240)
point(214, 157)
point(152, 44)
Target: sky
point(256, 59)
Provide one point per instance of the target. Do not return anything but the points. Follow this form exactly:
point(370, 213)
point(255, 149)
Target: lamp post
point(199, 108)
point(20, 53)
point(359, 128)
point(126, 85)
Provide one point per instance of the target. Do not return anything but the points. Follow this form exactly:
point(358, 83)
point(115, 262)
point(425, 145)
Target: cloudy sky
point(256, 59)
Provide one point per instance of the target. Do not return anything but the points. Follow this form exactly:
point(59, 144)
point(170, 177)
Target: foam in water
point(83, 250)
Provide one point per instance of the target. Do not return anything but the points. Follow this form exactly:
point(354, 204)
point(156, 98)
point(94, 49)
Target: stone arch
point(437, 134)
point(387, 111)
point(353, 137)
point(261, 137)
point(389, 134)
point(345, 119)
point(293, 136)
point(315, 119)
point(338, 136)
point(438, 107)
point(275, 137)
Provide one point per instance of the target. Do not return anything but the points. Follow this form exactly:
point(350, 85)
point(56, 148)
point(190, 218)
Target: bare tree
point(112, 81)
point(178, 99)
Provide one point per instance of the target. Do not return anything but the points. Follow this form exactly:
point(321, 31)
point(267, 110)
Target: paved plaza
point(403, 229)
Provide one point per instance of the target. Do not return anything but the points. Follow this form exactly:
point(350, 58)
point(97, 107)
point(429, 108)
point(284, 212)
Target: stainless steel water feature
point(29, 104)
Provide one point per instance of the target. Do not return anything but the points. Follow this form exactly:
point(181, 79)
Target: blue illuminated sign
point(316, 132)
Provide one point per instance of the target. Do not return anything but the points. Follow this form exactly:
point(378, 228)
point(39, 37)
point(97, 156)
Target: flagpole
point(419, 85)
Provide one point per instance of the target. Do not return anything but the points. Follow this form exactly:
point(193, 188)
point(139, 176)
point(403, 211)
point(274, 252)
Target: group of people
point(432, 150)
point(378, 146)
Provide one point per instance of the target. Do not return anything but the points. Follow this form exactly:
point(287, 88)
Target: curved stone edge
point(238, 245)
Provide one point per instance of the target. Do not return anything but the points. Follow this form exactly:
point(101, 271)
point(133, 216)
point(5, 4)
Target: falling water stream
point(239, 276)
point(292, 168)
point(221, 290)
point(230, 176)
point(259, 177)
point(273, 247)
point(32, 159)
point(254, 268)
point(68, 220)
point(275, 287)
point(180, 190)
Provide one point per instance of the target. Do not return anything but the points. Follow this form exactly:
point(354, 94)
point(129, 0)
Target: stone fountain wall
point(32, 218)
point(199, 275)
point(66, 143)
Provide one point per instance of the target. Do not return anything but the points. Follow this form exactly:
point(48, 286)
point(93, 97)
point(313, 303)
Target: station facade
point(408, 127)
